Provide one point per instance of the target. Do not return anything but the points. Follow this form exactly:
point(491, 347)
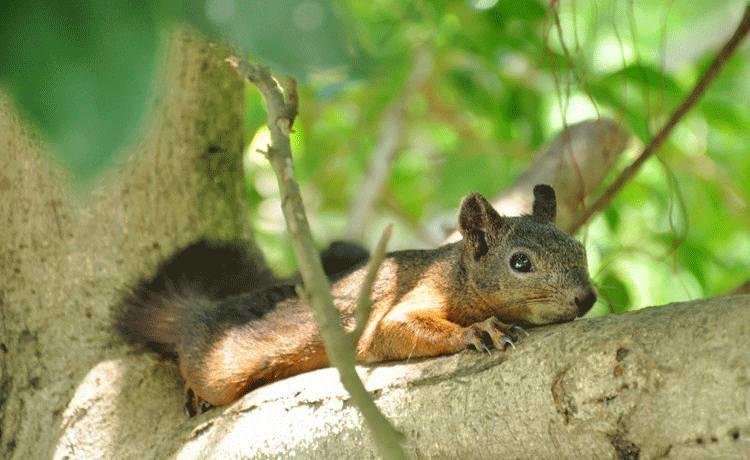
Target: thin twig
point(721, 58)
point(364, 302)
point(281, 114)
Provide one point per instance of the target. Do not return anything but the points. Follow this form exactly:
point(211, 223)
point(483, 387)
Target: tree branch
point(364, 302)
point(721, 58)
point(591, 388)
point(281, 113)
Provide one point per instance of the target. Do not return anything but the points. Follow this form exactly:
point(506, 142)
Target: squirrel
point(232, 326)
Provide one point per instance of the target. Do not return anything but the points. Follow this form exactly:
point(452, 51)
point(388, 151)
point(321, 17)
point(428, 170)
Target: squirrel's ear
point(476, 219)
point(545, 204)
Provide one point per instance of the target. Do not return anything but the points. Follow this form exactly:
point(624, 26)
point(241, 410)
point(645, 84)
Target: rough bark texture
point(64, 256)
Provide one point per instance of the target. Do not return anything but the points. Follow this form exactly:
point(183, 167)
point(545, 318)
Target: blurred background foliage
point(473, 87)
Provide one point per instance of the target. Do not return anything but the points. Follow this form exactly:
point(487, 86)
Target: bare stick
point(721, 58)
point(364, 302)
point(281, 113)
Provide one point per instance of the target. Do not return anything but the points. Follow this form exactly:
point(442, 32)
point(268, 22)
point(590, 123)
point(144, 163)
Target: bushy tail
point(148, 312)
point(195, 278)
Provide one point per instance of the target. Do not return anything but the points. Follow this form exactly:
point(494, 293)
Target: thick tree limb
point(339, 347)
point(672, 381)
point(662, 382)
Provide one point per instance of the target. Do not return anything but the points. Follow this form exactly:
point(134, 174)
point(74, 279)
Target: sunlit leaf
point(614, 292)
point(648, 76)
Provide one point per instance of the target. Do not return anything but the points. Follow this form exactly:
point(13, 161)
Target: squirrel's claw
point(480, 347)
point(514, 327)
point(491, 332)
point(473, 340)
point(203, 406)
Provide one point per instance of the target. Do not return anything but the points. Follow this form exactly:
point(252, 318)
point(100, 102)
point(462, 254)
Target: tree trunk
point(64, 256)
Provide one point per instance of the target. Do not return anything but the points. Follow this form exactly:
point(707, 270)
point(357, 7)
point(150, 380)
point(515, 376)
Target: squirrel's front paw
point(491, 333)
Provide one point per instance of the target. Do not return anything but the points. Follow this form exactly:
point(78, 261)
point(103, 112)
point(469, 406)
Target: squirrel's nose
point(585, 302)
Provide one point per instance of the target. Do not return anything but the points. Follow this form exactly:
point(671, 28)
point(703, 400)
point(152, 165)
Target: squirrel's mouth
point(541, 313)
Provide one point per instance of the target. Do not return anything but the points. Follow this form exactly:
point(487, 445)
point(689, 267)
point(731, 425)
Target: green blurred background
point(477, 87)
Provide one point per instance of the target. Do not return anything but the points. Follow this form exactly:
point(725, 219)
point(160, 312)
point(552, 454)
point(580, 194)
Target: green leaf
point(527, 10)
point(649, 76)
point(614, 292)
point(608, 93)
point(612, 217)
point(722, 113)
point(81, 73)
point(695, 257)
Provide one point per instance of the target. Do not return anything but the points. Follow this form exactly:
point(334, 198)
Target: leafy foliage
point(501, 85)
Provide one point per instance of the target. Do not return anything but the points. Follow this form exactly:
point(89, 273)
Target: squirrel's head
point(523, 269)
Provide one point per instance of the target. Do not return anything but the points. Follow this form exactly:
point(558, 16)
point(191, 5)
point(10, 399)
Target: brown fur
point(227, 370)
point(425, 303)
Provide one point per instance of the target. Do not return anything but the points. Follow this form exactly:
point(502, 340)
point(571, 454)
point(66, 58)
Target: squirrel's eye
point(520, 262)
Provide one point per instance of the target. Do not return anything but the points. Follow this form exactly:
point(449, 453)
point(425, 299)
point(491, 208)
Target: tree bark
point(65, 255)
